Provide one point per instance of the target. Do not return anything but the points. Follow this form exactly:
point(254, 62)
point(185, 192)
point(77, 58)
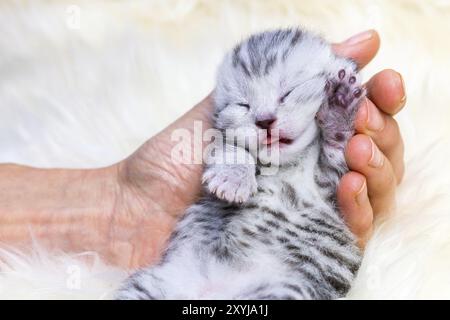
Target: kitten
point(268, 236)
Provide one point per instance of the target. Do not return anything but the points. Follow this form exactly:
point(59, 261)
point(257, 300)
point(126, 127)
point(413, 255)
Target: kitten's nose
point(265, 124)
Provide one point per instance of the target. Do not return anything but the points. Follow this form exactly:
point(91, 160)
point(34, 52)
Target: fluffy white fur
point(88, 97)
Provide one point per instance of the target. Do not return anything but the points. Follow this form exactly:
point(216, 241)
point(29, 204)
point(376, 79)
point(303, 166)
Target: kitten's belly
point(283, 231)
point(283, 219)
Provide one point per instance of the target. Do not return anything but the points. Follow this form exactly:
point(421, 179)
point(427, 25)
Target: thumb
point(361, 47)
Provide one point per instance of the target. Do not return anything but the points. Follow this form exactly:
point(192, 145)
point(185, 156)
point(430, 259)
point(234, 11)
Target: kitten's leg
point(230, 174)
point(142, 285)
point(178, 273)
point(177, 276)
point(336, 115)
point(336, 122)
point(282, 289)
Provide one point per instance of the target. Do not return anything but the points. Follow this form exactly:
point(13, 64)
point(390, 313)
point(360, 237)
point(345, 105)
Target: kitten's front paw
point(344, 88)
point(335, 117)
point(231, 183)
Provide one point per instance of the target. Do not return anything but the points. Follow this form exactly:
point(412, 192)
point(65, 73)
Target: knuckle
point(390, 181)
point(361, 226)
point(365, 224)
point(389, 138)
point(382, 183)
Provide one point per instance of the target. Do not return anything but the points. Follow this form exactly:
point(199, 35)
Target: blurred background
point(84, 83)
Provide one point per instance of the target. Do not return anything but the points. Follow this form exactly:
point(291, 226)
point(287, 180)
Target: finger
point(355, 206)
point(361, 47)
point(384, 131)
point(387, 91)
point(363, 156)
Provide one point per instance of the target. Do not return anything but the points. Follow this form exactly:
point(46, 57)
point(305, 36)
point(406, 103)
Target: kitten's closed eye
point(283, 98)
point(245, 105)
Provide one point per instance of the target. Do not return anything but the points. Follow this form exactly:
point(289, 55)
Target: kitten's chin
point(278, 153)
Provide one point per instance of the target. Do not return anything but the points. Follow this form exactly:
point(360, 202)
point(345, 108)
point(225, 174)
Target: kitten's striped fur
point(281, 236)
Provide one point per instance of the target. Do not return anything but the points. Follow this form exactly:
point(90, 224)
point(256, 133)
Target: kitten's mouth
point(270, 140)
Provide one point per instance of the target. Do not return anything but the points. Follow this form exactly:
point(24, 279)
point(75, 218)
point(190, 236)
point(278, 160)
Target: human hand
point(153, 190)
point(375, 154)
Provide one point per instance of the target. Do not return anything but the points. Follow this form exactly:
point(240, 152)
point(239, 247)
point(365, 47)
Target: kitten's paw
point(335, 117)
point(344, 88)
point(231, 183)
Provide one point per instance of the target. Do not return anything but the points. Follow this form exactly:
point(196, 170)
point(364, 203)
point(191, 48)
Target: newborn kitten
point(278, 235)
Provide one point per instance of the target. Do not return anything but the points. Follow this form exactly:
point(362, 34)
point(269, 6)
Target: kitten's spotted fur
point(255, 236)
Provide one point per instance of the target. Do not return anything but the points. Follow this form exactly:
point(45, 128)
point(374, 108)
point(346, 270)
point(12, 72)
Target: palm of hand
point(153, 192)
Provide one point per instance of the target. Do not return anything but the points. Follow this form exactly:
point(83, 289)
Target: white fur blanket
point(84, 85)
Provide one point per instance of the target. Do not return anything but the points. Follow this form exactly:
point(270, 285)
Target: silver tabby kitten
point(268, 236)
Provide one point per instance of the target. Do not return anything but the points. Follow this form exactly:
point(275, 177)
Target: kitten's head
point(270, 88)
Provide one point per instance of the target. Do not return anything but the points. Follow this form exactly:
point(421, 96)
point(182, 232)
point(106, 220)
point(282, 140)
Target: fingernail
point(377, 159)
point(375, 121)
point(402, 100)
point(361, 195)
point(360, 37)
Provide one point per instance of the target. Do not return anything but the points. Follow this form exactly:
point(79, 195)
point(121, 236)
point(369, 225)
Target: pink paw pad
point(343, 89)
point(335, 118)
